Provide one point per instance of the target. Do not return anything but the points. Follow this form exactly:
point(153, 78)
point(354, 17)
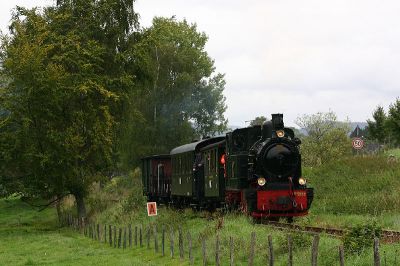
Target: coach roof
point(195, 146)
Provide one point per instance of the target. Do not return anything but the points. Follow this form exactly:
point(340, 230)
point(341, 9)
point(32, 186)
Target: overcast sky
point(291, 56)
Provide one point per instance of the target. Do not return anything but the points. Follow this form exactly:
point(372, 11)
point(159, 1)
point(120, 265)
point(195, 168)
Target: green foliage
point(59, 128)
point(176, 97)
point(300, 240)
point(386, 127)
point(393, 121)
point(377, 128)
point(326, 140)
point(83, 92)
point(259, 120)
point(361, 237)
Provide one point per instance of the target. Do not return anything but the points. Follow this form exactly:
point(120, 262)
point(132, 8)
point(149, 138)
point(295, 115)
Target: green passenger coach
point(187, 172)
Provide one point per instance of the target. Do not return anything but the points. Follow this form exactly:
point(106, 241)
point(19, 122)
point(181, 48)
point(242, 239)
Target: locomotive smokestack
point(277, 121)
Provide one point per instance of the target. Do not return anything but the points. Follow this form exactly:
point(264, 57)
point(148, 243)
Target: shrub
point(361, 237)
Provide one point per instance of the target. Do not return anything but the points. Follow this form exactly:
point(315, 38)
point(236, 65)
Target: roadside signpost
point(151, 208)
point(357, 143)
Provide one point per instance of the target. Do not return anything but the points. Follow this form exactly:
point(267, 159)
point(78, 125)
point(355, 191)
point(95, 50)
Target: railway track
point(387, 236)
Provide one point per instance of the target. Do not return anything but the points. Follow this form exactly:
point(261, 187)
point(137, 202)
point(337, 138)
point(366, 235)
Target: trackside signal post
point(151, 208)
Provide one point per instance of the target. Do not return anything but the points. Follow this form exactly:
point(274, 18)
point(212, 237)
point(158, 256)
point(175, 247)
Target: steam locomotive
point(256, 170)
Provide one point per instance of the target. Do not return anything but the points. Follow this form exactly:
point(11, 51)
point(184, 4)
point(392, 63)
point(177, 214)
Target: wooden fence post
point(252, 248)
point(231, 255)
point(155, 238)
point(105, 234)
point(341, 255)
point(136, 236)
point(314, 251)
point(163, 241)
point(171, 239)
point(377, 259)
point(190, 248)
point(141, 236)
point(124, 244)
point(271, 251)
point(203, 247)
point(98, 232)
point(180, 243)
point(130, 235)
point(217, 255)
point(119, 237)
point(115, 236)
point(83, 224)
point(110, 234)
point(290, 250)
point(148, 237)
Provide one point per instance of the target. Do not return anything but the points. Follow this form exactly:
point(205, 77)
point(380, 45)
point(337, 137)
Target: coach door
point(198, 173)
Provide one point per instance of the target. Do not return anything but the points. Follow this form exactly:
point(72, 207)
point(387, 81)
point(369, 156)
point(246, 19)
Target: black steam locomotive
point(255, 169)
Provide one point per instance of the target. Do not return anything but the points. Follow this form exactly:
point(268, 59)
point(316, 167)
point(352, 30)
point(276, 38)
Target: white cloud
point(293, 56)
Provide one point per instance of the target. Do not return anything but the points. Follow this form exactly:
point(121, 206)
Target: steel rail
point(387, 236)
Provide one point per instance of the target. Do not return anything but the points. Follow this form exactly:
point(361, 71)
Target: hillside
point(356, 189)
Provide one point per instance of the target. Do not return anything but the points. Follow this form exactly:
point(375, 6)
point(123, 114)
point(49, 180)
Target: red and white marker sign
point(357, 143)
point(151, 208)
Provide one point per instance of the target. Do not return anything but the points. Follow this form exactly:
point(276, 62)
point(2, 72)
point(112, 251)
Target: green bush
point(360, 237)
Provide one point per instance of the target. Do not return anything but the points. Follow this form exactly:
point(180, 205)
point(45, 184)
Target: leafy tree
point(326, 138)
point(377, 128)
point(393, 121)
point(259, 120)
point(58, 133)
point(81, 90)
point(176, 96)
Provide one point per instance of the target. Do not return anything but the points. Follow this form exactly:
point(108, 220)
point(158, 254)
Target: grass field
point(29, 237)
point(355, 190)
point(349, 192)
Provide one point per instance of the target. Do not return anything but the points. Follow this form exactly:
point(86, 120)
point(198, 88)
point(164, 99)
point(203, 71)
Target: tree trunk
point(80, 205)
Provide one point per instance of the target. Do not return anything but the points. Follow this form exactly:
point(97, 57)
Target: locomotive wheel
point(273, 218)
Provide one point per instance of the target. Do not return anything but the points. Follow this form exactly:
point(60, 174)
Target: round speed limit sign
point(357, 143)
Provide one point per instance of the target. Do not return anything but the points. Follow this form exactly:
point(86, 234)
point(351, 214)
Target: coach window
point(212, 161)
point(209, 162)
point(188, 164)
point(174, 166)
point(215, 161)
point(180, 165)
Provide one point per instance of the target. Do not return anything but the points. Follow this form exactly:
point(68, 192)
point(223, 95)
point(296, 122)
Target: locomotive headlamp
point(302, 181)
point(280, 133)
point(261, 181)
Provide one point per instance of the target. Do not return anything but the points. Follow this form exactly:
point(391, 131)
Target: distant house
point(359, 132)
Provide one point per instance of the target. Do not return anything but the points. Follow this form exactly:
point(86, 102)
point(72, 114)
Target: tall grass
point(352, 190)
point(356, 185)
